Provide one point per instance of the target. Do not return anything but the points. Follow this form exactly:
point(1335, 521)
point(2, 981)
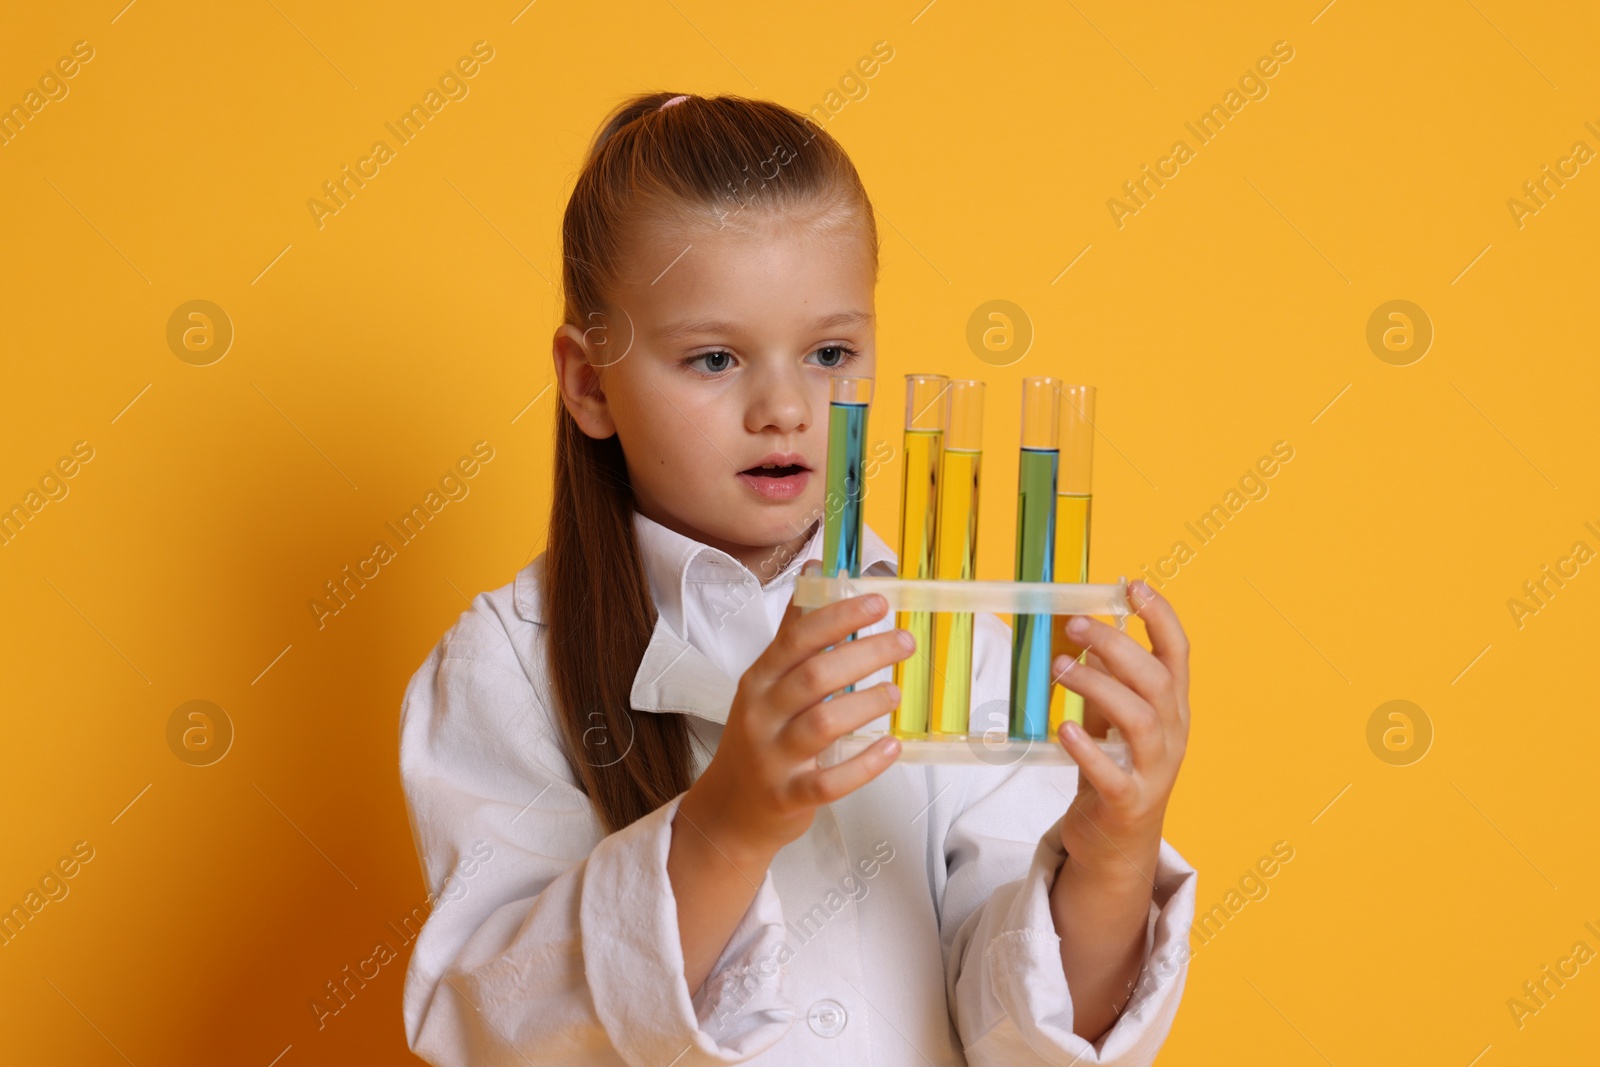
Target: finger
point(1127, 659)
point(846, 663)
point(1176, 729)
point(1113, 783)
point(827, 784)
point(1130, 713)
point(802, 635)
point(1093, 721)
point(1167, 639)
point(817, 727)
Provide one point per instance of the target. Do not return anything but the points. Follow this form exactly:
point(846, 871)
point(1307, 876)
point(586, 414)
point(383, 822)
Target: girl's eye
point(715, 362)
point(834, 355)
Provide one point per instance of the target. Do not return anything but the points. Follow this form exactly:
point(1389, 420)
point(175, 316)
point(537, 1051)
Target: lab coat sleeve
point(1006, 988)
point(548, 941)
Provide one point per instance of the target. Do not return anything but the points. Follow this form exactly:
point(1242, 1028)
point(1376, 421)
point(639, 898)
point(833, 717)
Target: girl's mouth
point(776, 482)
point(773, 470)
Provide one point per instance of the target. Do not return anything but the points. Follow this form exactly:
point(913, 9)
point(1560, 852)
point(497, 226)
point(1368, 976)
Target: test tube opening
point(1075, 439)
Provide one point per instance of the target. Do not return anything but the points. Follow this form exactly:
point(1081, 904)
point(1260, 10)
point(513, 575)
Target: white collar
point(674, 675)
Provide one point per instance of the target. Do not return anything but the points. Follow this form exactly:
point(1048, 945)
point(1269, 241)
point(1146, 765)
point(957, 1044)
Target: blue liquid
point(1031, 634)
point(842, 522)
point(842, 513)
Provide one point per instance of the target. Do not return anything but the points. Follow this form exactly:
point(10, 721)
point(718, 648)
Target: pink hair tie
point(674, 100)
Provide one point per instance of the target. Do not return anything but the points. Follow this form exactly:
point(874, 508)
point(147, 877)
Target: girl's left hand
point(1115, 820)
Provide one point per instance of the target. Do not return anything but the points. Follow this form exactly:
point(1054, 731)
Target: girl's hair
point(702, 160)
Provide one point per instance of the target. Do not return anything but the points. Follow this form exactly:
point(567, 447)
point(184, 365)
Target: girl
point(611, 764)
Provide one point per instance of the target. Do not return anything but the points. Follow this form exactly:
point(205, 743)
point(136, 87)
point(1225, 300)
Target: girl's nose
point(780, 401)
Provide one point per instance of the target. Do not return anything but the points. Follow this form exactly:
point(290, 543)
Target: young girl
point(611, 764)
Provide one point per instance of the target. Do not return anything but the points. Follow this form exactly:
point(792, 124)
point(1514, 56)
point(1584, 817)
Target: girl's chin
point(772, 527)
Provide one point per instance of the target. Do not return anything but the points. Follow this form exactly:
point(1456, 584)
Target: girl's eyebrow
point(693, 327)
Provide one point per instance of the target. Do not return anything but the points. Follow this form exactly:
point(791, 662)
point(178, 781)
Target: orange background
point(1229, 313)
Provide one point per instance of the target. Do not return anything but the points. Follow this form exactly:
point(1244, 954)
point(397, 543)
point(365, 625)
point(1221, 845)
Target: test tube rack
point(991, 747)
point(936, 595)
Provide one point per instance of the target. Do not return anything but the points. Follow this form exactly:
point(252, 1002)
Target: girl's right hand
point(763, 785)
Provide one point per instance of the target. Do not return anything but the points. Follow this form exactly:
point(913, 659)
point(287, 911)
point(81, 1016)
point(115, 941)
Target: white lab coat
point(909, 925)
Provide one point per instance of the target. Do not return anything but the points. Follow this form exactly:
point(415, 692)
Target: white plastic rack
point(993, 748)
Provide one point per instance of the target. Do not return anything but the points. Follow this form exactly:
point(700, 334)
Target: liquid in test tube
point(927, 413)
point(842, 516)
point(1035, 556)
point(1074, 495)
point(957, 558)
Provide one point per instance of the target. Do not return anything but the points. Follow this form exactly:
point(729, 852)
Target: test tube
point(1074, 495)
point(957, 558)
point(848, 400)
point(1035, 558)
point(927, 414)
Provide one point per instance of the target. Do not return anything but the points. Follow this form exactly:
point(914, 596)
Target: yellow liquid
point(957, 559)
point(1072, 565)
point(919, 531)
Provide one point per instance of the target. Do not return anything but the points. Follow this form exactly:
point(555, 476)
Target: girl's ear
point(579, 380)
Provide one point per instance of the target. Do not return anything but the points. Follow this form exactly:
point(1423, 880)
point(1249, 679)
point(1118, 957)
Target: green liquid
point(1030, 634)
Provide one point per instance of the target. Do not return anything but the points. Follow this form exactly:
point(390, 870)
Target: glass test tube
point(957, 558)
point(927, 414)
point(848, 400)
point(1074, 495)
point(1035, 558)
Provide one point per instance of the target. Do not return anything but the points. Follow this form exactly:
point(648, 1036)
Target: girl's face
point(712, 369)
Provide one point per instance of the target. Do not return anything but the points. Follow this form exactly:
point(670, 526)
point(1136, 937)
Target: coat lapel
point(675, 676)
